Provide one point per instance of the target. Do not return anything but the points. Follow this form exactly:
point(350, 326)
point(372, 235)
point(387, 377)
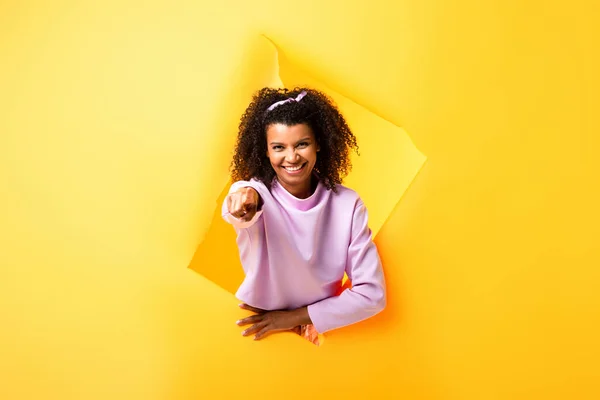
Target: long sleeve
point(236, 222)
point(367, 296)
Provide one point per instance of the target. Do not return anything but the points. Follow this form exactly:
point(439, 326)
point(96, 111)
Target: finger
point(252, 197)
point(237, 209)
point(229, 204)
point(245, 306)
point(241, 211)
point(249, 207)
point(250, 320)
point(247, 216)
point(249, 211)
point(245, 207)
point(263, 332)
point(244, 197)
point(234, 204)
point(254, 328)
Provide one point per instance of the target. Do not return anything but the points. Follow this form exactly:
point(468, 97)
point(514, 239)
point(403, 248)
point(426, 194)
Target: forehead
point(288, 133)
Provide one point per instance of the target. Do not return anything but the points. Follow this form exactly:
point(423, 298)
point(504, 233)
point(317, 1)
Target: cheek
point(274, 158)
point(310, 154)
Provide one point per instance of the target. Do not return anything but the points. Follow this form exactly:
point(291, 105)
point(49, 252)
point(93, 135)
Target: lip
point(294, 172)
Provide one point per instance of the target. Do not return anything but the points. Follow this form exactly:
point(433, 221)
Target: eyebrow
point(306, 139)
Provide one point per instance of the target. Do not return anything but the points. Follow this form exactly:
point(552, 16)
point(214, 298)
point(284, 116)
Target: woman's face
point(292, 151)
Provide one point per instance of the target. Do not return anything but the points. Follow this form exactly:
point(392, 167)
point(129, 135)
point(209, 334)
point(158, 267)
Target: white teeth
point(293, 168)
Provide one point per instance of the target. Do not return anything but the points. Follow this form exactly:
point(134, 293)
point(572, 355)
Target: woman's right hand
point(243, 203)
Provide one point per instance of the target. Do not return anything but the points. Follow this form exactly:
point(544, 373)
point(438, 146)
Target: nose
point(291, 156)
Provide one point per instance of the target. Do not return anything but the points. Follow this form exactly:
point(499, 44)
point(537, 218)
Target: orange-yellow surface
point(116, 122)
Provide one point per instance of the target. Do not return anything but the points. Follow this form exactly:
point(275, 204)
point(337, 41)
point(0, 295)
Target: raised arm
point(367, 296)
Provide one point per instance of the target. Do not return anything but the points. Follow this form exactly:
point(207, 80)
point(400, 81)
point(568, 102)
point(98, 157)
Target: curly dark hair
point(317, 110)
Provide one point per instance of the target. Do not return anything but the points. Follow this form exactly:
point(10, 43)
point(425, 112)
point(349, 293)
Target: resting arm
point(367, 296)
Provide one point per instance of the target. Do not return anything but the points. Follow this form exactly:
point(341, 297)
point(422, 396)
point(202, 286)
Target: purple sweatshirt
point(294, 253)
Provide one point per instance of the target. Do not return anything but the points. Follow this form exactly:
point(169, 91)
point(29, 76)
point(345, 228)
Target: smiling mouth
point(294, 170)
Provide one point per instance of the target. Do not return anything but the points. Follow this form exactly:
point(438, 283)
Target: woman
point(298, 228)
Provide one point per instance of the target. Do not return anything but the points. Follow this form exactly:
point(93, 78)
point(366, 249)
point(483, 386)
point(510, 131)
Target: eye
point(277, 148)
point(302, 144)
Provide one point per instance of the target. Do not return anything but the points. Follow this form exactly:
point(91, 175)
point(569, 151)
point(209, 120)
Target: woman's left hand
point(265, 322)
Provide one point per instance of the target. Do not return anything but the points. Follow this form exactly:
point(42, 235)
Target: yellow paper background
point(113, 121)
